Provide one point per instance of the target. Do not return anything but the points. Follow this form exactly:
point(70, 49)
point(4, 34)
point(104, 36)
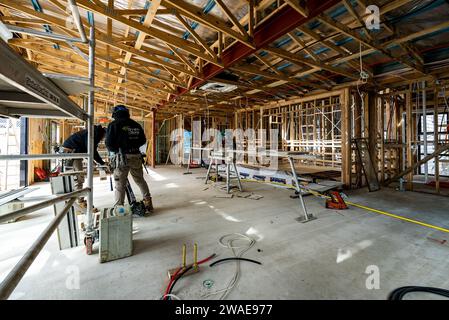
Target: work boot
point(148, 202)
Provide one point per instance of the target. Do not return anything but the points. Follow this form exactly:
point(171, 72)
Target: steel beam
point(41, 34)
point(18, 97)
point(32, 112)
point(17, 72)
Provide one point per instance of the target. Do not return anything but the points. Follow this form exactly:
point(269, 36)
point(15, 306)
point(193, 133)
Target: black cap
point(120, 111)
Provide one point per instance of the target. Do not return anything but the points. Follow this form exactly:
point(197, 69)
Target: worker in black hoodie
point(125, 136)
point(77, 143)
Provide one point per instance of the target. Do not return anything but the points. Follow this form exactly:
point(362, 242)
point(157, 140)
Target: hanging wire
point(361, 81)
point(207, 111)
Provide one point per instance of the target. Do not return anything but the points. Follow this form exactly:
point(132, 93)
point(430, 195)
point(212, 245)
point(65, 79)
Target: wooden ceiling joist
point(195, 13)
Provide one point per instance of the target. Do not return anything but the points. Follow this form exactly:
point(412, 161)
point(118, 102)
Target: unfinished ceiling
point(164, 55)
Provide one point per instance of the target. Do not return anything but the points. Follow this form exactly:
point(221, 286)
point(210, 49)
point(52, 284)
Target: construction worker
point(124, 137)
point(77, 143)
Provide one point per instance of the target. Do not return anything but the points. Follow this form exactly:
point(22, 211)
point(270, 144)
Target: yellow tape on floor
point(317, 194)
point(398, 217)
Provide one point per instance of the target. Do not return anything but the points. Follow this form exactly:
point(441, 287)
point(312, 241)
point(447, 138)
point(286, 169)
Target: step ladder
point(11, 177)
point(361, 146)
point(231, 170)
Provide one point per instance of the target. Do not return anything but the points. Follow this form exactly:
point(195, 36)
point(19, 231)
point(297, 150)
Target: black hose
point(399, 293)
point(235, 258)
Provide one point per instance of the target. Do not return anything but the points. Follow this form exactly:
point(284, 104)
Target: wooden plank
point(149, 16)
point(196, 13)
point(346, 149)
point(408, 110)
point(232, 18)
point(196, 36)
point(350, 33)
point(301, 61)
point(150, 31)
point(393, 5)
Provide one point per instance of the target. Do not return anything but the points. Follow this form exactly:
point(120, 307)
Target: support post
point(357, 120)
point(372, 128)
point(409, 131)
point(154, 139)
point(424, 129)
point(346, 151)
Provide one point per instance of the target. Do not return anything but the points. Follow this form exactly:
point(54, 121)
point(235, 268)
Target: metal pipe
point(307, 217)
point(38, 206)
point(90, 131)
point(5, 34)
point(424, 128)
point(78, 51)
point(77, 20)
point(16, 274)
point(34, 199)
point(41, 34)
point(43, 156)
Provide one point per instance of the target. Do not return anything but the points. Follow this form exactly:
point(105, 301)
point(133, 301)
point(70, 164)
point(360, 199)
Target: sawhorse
point(230, 165)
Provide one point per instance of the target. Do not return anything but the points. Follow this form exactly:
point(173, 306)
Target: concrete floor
point(324, 259)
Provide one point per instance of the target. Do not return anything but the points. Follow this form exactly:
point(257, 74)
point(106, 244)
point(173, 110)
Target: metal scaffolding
point(40, 97)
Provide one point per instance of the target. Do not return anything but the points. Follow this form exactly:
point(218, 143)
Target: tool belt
point(118, 160)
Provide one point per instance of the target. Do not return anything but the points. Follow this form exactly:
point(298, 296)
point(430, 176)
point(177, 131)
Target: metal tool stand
point(230, 166)
point(307, 216)
point(188, 164)
point(212, 160)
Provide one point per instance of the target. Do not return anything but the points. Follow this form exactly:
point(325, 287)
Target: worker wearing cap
point(124, 137)
point(77, 143)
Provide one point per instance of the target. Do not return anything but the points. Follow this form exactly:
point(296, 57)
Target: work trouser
point(77, 165)
point(79, 178)
point(133, 166)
